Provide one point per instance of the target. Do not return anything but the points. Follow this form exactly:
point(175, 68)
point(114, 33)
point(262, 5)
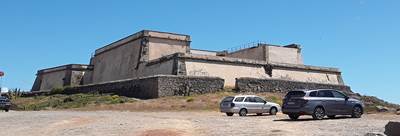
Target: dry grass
point(206, 102)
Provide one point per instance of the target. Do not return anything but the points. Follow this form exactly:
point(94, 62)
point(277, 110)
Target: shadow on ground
point(311, 119)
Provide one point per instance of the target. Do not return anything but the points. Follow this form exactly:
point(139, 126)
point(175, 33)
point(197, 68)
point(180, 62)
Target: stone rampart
point(278, 85)
point(154, 86)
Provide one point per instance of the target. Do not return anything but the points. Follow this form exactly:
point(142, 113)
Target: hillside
point(173, 103)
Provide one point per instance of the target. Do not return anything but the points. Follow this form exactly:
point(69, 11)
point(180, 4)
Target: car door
point(340, 102)
point(262, 107)
point(328, 101)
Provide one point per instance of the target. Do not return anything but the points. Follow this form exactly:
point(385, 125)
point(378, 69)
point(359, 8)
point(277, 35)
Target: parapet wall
point(154, 86)
point(277, 85)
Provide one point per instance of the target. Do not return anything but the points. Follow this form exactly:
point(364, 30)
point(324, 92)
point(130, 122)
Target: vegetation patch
point(60, 101)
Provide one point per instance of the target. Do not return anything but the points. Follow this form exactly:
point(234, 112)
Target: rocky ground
point(116, 123)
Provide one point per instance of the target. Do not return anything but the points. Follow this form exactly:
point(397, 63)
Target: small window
point(258, 100)
point(325, 93)
point(338, 94)
point(313, 94)
point(249, 99)
point(228, 99)
point(239, 99)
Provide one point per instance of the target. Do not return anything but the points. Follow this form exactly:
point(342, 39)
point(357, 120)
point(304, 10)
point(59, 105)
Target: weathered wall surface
point(127, 58)
point(257, 53)
point(277, 54)
point(154, 87)
point(226, 71)
point(118, 63)
point(188, 85)
point(305, 76)
point(161, 68)
point(163, 47)
point(52, 80)
point(203, 52)
point(76, 77)
point(276, 85)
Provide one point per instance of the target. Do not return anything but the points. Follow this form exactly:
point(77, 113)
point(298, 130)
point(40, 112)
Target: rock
point(392, 128)
point(374, 134)
point(382, 109)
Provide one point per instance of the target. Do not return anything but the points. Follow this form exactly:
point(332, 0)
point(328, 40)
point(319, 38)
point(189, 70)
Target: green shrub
point(189, 99)
point(56, 91)
point(61, 101)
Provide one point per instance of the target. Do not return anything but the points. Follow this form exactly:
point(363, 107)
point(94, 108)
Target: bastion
point(148, 54)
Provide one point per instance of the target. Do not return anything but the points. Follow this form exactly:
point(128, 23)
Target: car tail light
point(232, 105)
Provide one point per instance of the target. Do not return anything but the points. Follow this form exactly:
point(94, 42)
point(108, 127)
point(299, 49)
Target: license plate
point(290, 103)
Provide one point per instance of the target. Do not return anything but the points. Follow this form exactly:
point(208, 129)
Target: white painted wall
point(224, 70)
point(305, 76)
point(277, 54)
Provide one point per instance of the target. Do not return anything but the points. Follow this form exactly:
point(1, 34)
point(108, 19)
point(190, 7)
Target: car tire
point(6, 110)
point(331, 116)
point(243, 112)
point(357, 112)
point(229, 114)
point(319, 113)
point(273, 111)
point(294, 116)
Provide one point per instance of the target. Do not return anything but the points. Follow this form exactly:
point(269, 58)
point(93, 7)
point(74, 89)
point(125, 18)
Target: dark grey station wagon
point(320, 103)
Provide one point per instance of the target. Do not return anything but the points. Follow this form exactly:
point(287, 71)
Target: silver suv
point(320, 103)
point(244, 104)
point(4, 103)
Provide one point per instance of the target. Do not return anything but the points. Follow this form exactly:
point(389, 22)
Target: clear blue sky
point(360, 37)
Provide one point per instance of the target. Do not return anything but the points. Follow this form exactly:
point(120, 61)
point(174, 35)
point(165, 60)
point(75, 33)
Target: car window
point(258, 100)
point(295, 94)
point(228, 99)
point(313, 94)
point(239, 99)
point(338, 94)
point(325, 93)
point(249, 99)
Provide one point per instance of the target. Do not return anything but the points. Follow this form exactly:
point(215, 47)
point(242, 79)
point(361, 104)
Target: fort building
point(149, 53)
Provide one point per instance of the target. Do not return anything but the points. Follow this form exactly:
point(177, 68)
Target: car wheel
point(243, 112)
point(273, 111)
point(229, 114)
point(331, 116)
point(319, 113)
point(6, 110)
point(357, 112)
point(294, 116)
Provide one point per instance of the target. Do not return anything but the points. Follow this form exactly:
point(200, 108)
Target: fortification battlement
point(77, 67)
point(143, 34)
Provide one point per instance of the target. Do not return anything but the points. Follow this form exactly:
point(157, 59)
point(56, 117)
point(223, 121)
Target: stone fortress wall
point(151, 54)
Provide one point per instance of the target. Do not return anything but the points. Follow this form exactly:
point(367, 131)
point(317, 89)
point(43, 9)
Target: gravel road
point(115, 123)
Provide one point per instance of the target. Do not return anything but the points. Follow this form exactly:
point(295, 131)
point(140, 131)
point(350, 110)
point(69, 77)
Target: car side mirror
point(265, 102)
point(346, 98)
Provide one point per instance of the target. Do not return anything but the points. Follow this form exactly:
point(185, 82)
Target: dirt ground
point(117, 123)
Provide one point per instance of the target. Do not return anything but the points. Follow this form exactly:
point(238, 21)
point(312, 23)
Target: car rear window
point(228, 99)
point(239, 99)
point(295, 94)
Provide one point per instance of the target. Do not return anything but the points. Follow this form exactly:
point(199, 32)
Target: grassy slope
point(113, 102)
point(208, 101)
